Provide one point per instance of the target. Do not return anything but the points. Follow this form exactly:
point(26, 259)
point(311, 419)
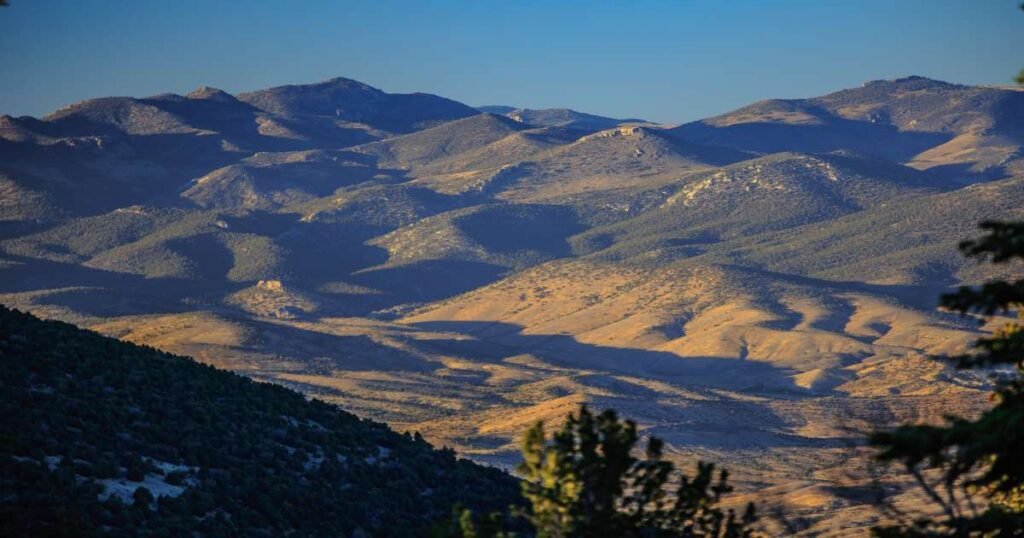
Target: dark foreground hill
point(100, 436)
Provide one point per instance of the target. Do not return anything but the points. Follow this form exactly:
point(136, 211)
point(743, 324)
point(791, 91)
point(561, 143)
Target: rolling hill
point(350, 101)
point(781, 191)
point(561, 117)
point(963, 131)
point(441, 142)
point(623, 156)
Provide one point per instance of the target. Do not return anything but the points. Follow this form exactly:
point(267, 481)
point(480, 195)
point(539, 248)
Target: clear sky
point(669, 61)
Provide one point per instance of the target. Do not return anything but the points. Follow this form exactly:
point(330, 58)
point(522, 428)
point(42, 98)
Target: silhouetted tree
point(585, 481)
point(1020, 76)
point(143, 498)
point(974, 459)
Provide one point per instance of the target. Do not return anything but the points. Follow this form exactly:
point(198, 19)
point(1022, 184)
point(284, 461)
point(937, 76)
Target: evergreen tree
point(983, 458)
point(143, 498)
point(1020, 76)
point(586, 482)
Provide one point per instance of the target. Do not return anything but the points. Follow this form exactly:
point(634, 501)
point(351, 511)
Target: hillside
point(624, 156)
point(441, 142)
point(558, 117)
point(341, 99)
point(776, 192)
point(105, 437)
point(101, 154)
point(566, 118)
point(957, 130)
point(274, 180)
point(892, 244)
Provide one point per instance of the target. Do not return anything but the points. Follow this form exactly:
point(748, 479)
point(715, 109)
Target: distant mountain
point(474, 169)
point(205, 112)
point(614, 158)
point(273, 180)
point(441, 142)
point(776, 192)
point(904, 242)
point(564, 117)
point(496, 109)
point(511, 236)
point(350, 101)
point(106, 153)
point(101, 154)
point(106, 437)
point(963, 131)
point(558, 117)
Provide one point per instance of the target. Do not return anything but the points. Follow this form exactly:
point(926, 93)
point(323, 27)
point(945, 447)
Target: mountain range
point(749, 287)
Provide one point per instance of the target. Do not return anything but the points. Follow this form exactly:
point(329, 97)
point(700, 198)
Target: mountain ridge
point(904, 118)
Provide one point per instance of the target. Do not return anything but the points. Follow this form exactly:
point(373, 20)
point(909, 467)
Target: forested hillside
point(102, 437)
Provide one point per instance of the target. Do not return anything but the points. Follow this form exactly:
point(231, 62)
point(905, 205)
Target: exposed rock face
point(270, 285)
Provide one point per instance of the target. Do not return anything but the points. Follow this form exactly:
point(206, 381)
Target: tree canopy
point(965, 460)
point(585, 481)
point(103, 437)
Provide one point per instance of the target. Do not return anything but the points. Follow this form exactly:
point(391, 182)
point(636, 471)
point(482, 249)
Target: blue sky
point(661, 60)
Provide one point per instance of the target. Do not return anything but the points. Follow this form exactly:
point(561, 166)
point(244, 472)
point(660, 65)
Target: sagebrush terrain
point(753, 288)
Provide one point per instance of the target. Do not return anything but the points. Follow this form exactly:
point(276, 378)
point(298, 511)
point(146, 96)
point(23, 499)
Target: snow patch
point(155, 483)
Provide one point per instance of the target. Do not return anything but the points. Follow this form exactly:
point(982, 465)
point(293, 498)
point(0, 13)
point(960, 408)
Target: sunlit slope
point(273, 180)
point(701, 311)
point(765, 372)
point(776, 192)
point(913, 242)
point(795, 358)
point(444, 141)
point(612, 158)
point(341, 101)
point(559, 117)
point(962, 132)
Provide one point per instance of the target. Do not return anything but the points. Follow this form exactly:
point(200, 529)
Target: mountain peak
point(912, 83)
point(499, 118)
point(347, 83)
point(209, 93)
point(627, 131)
point(497, 109)
point(559, 117)
point(353, 101)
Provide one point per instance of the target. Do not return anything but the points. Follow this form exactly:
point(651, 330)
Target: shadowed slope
point(770, 193)
point(972, 131)
point(613, 158)
point(913, 242)
point(443, 141)
point(216, 452)
point(566, 118)
point(270, 181)
point(351, 101)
